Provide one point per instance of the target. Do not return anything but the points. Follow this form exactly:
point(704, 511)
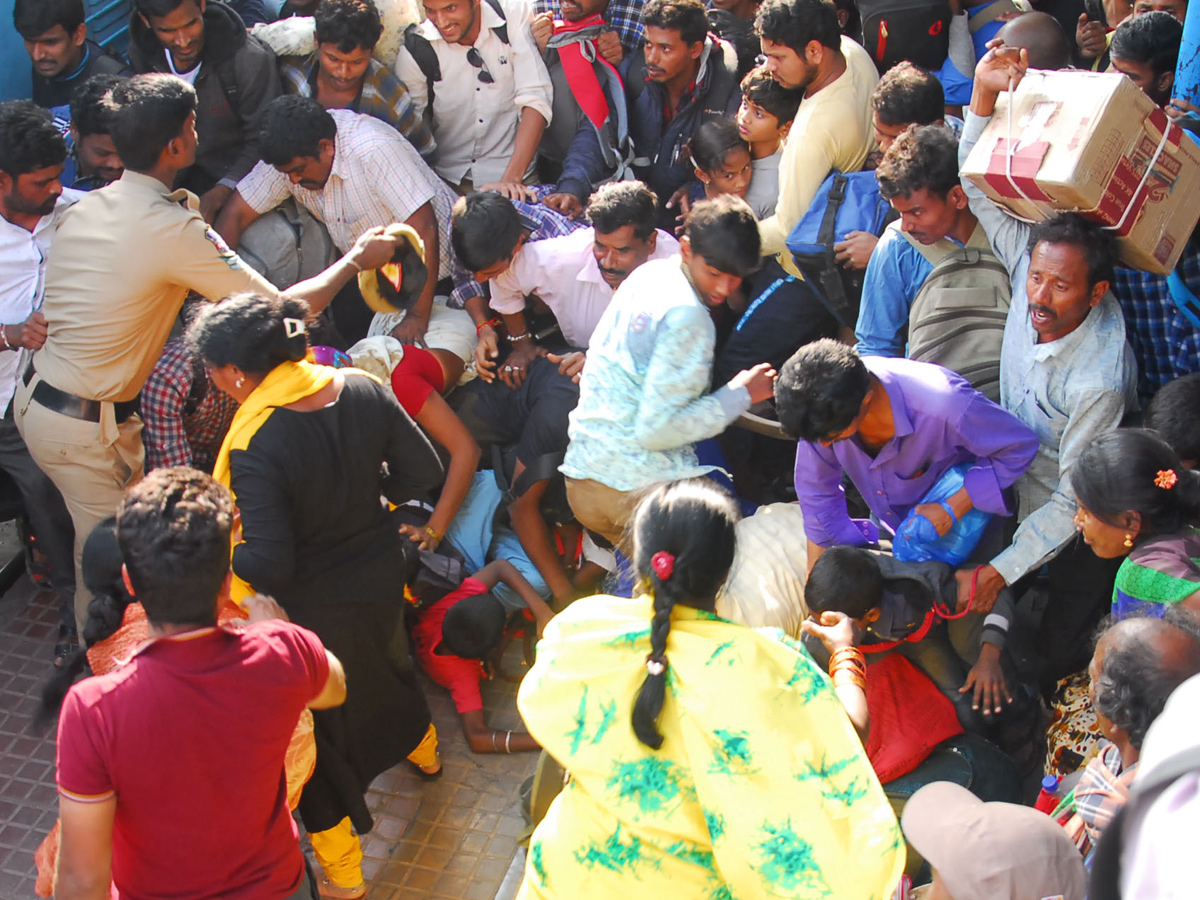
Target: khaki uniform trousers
point(90, 463)
point(603, 510)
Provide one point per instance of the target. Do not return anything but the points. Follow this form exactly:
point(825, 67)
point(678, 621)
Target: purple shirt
point(940, 421)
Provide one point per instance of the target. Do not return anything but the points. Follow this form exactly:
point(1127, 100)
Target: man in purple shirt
point(894, 426)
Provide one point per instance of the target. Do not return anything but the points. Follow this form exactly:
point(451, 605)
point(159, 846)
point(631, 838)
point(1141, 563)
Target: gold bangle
point(844, 677)
point(847, 653)
point(433, 534)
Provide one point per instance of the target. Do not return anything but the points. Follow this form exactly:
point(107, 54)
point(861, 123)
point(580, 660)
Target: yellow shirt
point(120, 267)
point(761, 788)
point(832, 130)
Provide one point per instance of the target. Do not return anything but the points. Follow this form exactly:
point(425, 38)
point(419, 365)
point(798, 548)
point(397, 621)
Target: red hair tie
point(663, 564)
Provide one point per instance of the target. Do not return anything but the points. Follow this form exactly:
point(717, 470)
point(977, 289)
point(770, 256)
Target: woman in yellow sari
point(308, 456)
point(706, 759)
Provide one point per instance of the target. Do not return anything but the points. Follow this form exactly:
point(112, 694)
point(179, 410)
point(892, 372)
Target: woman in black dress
point(309, 454)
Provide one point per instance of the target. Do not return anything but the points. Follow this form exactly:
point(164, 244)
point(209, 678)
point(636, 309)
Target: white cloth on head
point(765, 586)
point(377, 355)
point(449, 329)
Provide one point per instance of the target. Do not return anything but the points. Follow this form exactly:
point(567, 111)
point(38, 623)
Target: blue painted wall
point(107, 24)
point(14, 64)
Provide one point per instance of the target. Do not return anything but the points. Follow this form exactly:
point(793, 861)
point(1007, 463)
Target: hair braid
point(649, 703)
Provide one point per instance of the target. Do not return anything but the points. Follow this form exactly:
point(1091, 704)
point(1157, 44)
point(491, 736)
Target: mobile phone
point(1095, 11)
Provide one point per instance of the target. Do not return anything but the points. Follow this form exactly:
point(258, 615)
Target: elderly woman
point(707, 759)
point(1137, 664)
point(308, 456)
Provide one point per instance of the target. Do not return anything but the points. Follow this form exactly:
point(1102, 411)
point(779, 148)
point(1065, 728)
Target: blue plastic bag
point(918, 541)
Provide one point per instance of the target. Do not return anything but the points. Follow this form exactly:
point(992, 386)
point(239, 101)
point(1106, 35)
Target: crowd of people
point(388, 332)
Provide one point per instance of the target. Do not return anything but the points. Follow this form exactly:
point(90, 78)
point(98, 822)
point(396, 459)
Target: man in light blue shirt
point(1067, 372)
point(644, 396)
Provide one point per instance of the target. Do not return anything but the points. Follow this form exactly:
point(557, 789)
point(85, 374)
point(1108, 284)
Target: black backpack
point(913, 30)
point(425, 56)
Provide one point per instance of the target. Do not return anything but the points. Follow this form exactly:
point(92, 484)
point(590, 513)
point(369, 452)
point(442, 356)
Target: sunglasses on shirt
point(476, 60)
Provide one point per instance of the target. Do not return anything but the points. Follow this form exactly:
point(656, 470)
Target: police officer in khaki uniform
point(121, 265)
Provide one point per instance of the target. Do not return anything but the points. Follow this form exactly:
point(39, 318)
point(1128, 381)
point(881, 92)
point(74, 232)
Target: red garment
point(417, 376)
point(459, 676)
point(190, 736)
point(585, 85)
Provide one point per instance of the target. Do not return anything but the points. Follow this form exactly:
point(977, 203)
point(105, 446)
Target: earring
point(238, 384)
point(1128, 540)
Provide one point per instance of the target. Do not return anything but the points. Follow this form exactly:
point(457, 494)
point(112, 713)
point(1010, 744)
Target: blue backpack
point(843, 203)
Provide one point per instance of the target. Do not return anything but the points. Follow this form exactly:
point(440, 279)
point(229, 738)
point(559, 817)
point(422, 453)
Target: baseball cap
point(992, 851)
point(398, 284)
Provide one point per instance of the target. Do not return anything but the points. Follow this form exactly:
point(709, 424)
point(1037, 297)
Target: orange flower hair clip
point(1166, 479)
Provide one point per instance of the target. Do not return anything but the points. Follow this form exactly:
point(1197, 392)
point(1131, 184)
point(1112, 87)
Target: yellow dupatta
point(285, 384)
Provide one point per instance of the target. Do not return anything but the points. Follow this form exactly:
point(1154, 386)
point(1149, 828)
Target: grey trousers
point(47, 512)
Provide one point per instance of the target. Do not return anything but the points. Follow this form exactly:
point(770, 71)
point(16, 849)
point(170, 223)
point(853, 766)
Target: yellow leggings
point(338, 850)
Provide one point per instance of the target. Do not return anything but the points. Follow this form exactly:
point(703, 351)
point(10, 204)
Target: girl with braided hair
point(706, 759)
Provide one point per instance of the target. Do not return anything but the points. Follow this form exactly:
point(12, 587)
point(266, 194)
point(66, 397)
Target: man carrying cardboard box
point(1066, 371)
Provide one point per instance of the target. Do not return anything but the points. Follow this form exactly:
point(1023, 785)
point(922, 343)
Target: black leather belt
point(76, 407)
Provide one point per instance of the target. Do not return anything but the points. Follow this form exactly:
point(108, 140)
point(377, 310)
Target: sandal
point(326, 888)
point(424, 774)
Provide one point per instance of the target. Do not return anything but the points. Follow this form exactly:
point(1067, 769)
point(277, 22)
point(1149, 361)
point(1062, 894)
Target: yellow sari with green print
point(761, 789)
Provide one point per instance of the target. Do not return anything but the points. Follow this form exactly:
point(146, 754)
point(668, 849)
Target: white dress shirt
point(22, 280)
point(377, 178)
point(475, 124)
point(563, 273)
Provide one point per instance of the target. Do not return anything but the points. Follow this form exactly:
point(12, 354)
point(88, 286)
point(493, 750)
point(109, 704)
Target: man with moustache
point(55, 36)
point(680, 78)
point(32, 203)
point(1066, 371)
point(575, 276)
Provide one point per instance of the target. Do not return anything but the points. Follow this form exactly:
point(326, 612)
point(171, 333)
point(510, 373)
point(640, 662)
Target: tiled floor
point(450, 838)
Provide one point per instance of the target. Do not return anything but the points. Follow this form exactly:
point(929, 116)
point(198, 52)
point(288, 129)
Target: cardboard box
point(1083, 141)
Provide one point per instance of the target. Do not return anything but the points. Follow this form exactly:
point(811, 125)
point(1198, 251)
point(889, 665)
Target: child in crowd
point(722, 162)
point(457, 636)
point(763, 121)
point(896, 603)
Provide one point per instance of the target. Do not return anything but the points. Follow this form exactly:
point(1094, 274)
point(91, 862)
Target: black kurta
point(318, 540)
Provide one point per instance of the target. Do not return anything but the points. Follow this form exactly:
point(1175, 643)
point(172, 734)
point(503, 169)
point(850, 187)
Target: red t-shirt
point(460, 676)
point(190, 736)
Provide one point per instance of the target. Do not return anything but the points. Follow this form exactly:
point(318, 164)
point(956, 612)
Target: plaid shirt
point(1165, 343)
point(625, 17)
point(382, 96)
point(542, 222)
point(181, 430)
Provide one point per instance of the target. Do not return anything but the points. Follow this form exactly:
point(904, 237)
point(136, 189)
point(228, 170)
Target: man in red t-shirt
point(457, 634)
point(171, 768)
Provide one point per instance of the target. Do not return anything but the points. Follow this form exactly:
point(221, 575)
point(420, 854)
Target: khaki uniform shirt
point(122, 263)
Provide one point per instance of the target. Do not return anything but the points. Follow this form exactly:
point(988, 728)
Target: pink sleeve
point(82, 771)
